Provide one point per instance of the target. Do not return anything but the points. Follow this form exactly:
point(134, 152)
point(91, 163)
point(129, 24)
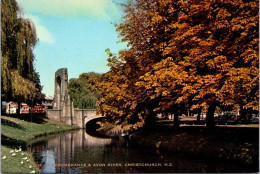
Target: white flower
point(13, 154)
point(30, 166)
point(32, 171)
point(11, 151)
point(24, 158)
point(4, 157)
point(21, 162)
point(23, 154)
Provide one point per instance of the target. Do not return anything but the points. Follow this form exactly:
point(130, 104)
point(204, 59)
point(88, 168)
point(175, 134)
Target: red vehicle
point(25, 109)
point(38, 110)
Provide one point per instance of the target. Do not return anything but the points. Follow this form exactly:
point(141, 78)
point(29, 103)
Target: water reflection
point(55, 154)
point(80, 152)
point(49, 158)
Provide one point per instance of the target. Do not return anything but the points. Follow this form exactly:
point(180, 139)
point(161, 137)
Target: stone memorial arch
point(63, 110)
point(62, 103)
point(61, 88)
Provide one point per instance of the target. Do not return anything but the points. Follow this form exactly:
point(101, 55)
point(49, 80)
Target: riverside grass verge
point(21, 131)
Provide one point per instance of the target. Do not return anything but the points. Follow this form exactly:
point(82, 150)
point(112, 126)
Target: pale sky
point(73, 34)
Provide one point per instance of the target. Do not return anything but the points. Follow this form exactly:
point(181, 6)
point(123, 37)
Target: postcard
point(129, 86)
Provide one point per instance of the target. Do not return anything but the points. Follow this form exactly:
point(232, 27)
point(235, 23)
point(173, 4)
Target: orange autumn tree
point(241, 87)
point(136, 107)
point(196, 54)
point(118, 101)
point(216, 44)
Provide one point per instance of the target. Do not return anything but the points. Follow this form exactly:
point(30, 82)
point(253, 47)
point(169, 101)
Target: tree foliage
point(19, 80)
point(83, 90)
point(183, 54)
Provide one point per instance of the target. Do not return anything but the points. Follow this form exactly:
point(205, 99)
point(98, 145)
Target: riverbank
point(238, 144)
point(21, 131)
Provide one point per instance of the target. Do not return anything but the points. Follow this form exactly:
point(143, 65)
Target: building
point(47, 103)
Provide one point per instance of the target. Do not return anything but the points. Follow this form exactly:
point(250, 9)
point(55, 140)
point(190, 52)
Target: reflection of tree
point(72, 149)
point(38, 156)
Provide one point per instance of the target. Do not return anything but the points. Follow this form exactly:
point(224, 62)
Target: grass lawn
point(25, 130)
point(14, 164)
point(22, 131)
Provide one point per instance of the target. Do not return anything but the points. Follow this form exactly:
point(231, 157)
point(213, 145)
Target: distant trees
point(19, 80)
point(183, 54)
point(83, 90)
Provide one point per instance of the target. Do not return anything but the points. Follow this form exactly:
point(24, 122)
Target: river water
point(79, 152)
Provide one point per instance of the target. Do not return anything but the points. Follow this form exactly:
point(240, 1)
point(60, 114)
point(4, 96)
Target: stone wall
point(53, 114)
point(79, 117)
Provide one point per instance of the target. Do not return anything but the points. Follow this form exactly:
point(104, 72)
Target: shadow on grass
point(12, 143)
point(11, 123)
point(34, 118)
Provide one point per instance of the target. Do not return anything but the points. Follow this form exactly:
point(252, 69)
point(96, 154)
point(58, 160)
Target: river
point(79, 152)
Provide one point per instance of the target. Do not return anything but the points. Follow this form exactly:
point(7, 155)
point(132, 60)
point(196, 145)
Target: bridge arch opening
point(92, 125)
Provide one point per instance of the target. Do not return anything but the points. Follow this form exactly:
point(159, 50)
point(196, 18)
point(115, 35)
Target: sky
point(73, 34)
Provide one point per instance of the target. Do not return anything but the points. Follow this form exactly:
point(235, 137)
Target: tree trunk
point(249, 114)
point(198, 117)
point(19, 108)
point(176, 118)
point(242, 113)
point(150, 120)
point(210, 116)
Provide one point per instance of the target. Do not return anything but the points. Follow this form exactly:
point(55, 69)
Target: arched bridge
point(82, 116)
point(78, 117)
point(88, 119)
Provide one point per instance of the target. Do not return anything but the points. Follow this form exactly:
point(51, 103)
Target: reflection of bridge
point(63, 110)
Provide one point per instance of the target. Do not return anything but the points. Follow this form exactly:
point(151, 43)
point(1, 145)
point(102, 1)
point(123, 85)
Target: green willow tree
point(83, 90)
point(19, 80)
